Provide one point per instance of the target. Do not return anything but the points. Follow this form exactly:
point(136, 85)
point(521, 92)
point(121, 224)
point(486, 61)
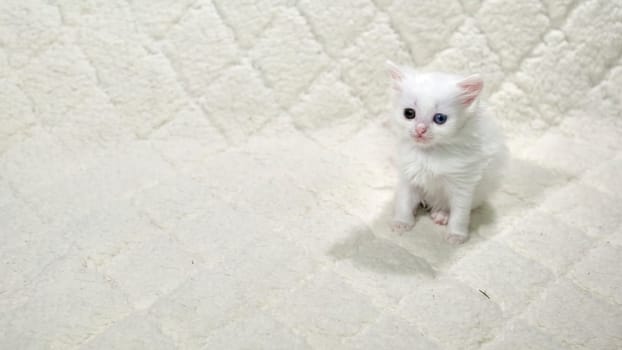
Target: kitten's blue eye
point(440, 118)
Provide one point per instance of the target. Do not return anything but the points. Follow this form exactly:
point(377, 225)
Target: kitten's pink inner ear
point(470, 87)
point(396, 75)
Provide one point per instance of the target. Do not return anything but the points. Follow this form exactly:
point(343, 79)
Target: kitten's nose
point(421, 129)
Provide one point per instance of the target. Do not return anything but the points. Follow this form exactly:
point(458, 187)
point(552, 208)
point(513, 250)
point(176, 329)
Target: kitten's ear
point(470, 88)
point(396, 74)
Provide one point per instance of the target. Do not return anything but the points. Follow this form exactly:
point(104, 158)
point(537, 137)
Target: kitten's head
point(432, 108)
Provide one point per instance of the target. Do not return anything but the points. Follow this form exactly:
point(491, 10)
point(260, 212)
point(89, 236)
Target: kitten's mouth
point(420, 139)
point(423, 142)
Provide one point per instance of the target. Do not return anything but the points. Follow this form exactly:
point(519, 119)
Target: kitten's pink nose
point(421, 129)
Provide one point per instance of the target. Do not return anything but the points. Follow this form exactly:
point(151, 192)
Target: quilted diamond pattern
point(217, 174)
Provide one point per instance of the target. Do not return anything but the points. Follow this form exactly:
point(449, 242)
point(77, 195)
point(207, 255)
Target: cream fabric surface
point(217, 174)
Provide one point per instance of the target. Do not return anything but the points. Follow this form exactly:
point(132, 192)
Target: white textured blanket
point(216, 174)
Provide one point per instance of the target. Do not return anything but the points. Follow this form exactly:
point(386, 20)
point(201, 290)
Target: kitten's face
point(431, 108)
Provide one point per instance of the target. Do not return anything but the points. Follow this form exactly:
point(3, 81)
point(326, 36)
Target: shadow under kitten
point(422, 250)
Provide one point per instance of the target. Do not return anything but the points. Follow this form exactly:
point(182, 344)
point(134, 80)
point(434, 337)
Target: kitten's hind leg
point(440, 217)
point(406, 201)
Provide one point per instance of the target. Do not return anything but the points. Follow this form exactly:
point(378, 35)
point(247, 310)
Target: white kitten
point(449, 152)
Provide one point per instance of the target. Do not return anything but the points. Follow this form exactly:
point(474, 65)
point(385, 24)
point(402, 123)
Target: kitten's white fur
point(453, 167)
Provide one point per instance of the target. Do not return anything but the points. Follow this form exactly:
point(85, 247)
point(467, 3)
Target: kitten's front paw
point(454, 238)
point(401, 226)
point(440, 217)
